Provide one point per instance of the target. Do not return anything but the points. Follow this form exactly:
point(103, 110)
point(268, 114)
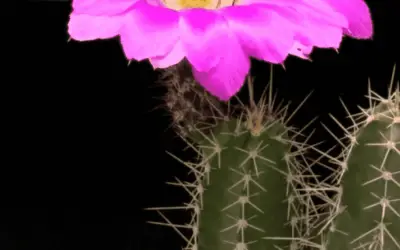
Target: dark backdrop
point(85, 152)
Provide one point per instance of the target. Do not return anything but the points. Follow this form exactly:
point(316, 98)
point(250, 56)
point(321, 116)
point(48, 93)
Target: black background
point(84, 142)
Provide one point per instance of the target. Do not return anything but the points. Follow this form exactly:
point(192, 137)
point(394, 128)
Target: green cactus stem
point(246, 194)
point(366, 212)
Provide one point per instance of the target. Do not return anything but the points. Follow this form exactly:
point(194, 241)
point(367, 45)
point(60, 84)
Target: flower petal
point(259, 30)
point(172, 58)
point(315, 23)
point(97, 19)
point(149, 31)
point(203, 36)
point(301, 50)
point(228, 76)
point(83, 27)
point(101, 7)
point(322, 12)
point(358, 16)
point(322, 26)
point(305, 9)
point(313, 33)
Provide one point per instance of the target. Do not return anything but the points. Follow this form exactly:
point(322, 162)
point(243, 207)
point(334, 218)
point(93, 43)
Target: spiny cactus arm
point(366, 214)
point(369, 211)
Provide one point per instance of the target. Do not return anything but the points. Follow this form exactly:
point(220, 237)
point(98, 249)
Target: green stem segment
point(368, 214)
point(246, 190)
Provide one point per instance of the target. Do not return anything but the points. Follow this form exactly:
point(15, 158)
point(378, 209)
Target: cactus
point(254, 188)
point(365, 212)
point(247, 189)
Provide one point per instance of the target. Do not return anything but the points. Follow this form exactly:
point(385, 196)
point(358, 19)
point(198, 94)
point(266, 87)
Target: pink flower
point(218, 37)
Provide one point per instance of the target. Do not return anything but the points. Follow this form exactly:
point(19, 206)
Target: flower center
point(204, 4)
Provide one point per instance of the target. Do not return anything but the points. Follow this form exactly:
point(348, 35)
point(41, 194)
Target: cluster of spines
point(187, 101)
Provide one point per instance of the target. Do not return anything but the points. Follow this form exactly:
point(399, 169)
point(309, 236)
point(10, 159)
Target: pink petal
point(314, 9)
point(313, 33)
point(101, 7)
point(149, 31)
point(315, 23)
point(319, 10)
point(84, 27)
point(203, 36)
point(358, 16)
point(262, 32)
point(156, 2)
point(301, 50)
point(321, 25)
point(228, 76)
point(97, 19)
point(172, 58)
point(286, 3)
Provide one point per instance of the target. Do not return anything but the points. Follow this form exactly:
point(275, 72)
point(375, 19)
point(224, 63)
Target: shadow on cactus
point(249, 191)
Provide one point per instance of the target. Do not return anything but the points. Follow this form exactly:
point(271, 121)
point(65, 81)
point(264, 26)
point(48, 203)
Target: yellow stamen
point(187, 4)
